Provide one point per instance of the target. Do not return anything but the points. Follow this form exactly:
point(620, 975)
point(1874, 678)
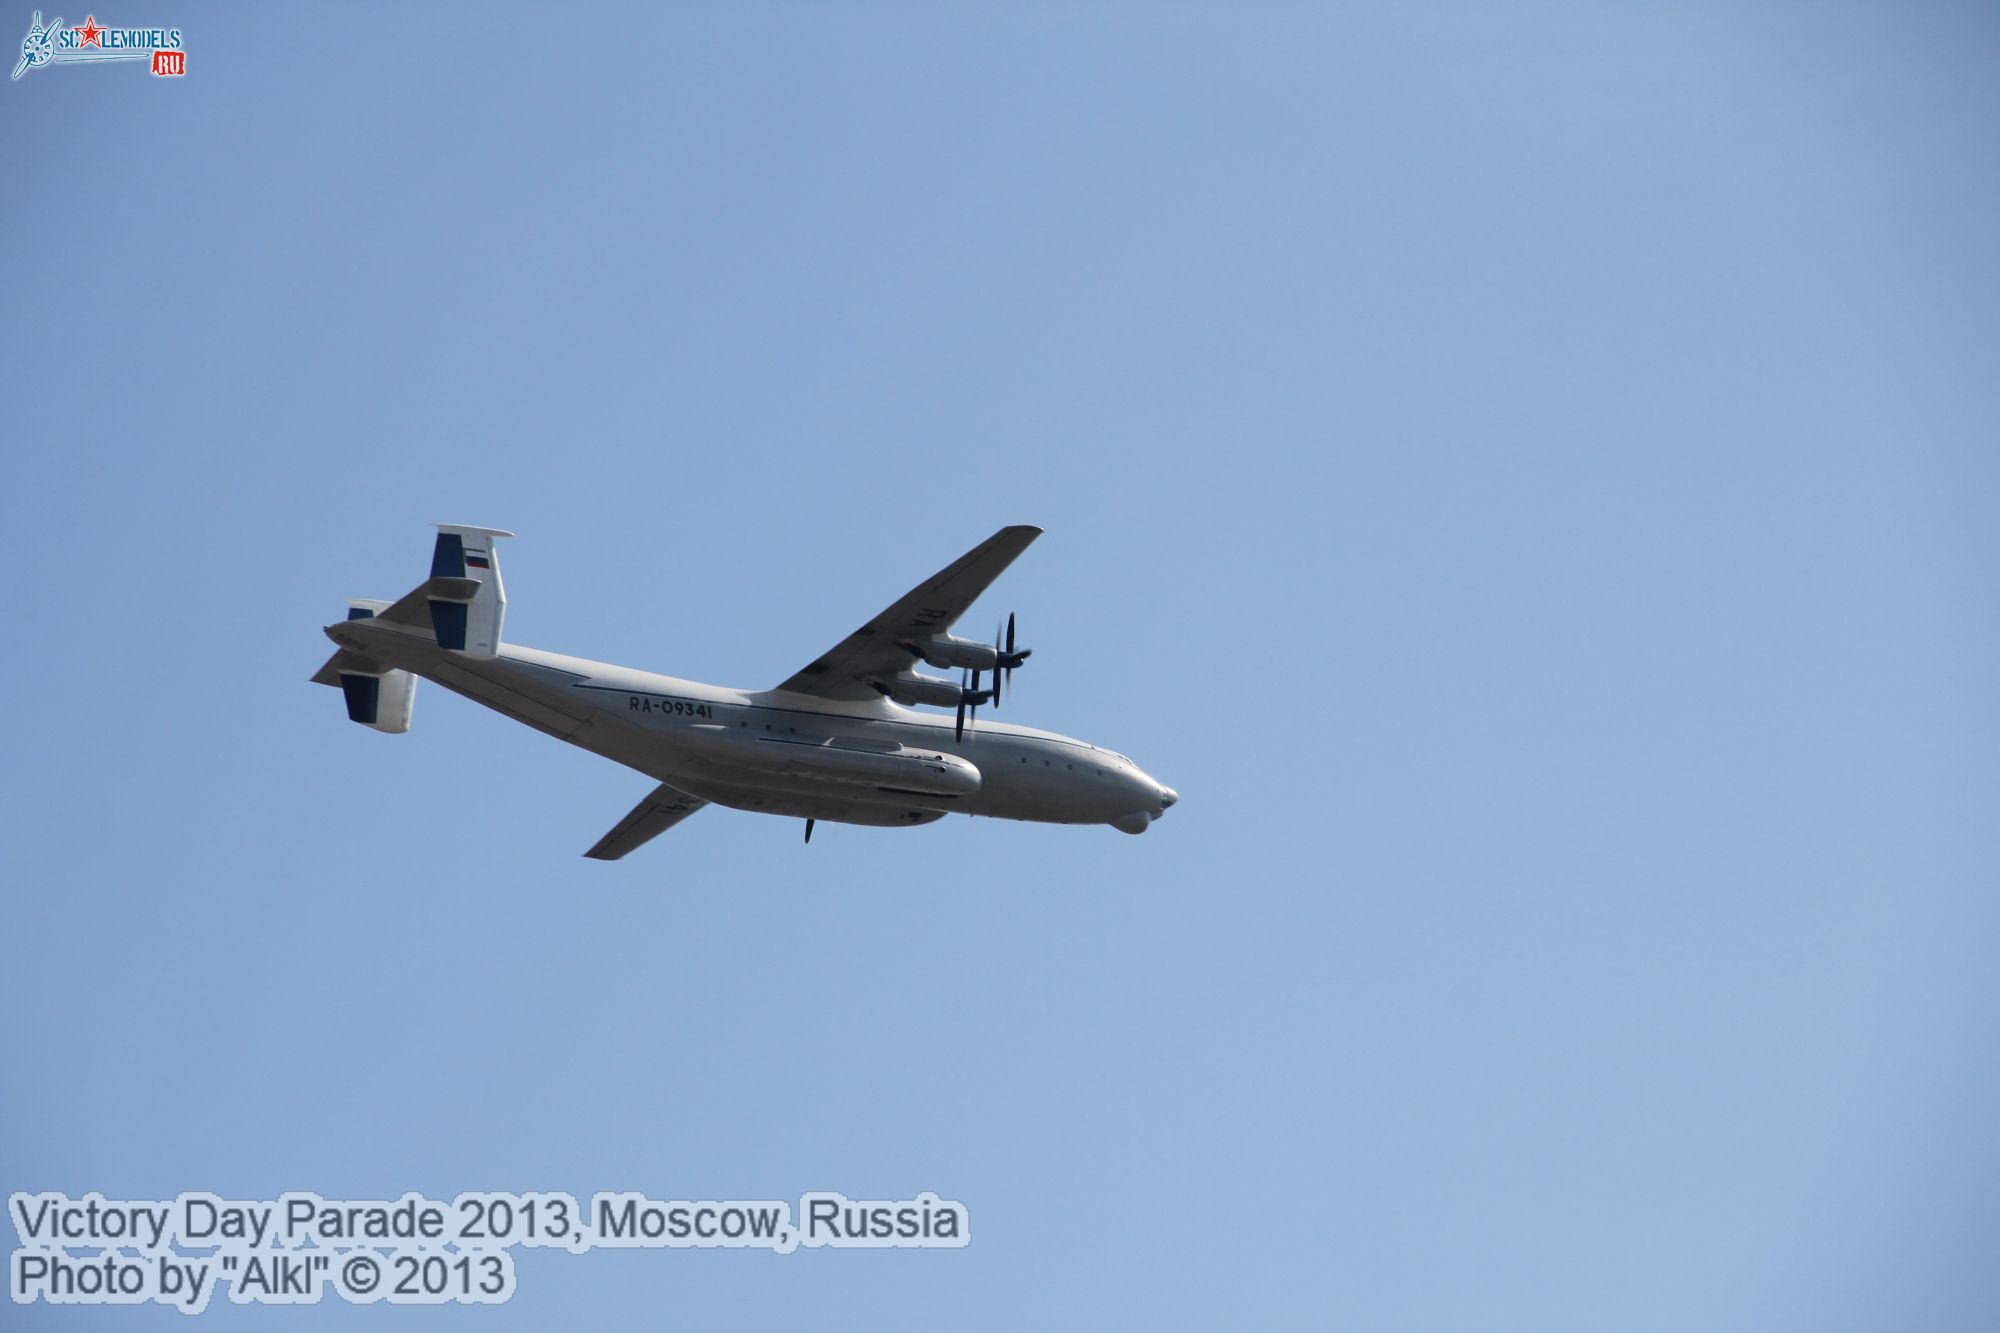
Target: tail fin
point(471, 626)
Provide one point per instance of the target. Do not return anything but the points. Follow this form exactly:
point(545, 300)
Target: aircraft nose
point(1167, 797)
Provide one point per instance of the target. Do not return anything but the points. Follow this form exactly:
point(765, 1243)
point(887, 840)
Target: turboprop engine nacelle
point(913, 689)
point(947, 651)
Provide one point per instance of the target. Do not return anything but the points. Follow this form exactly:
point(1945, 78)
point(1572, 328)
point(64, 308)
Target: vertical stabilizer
point(470, 627)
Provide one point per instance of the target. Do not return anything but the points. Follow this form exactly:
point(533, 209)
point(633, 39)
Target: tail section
point(463, 604)
point(470, 625)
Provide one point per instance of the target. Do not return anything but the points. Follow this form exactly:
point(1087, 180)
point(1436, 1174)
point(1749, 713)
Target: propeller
point(1006, 657)
point(970, 696)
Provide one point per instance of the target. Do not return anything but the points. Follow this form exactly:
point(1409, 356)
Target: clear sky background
point(1527, 479)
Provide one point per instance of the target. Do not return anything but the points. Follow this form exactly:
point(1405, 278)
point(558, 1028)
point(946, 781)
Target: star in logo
point(89, 33)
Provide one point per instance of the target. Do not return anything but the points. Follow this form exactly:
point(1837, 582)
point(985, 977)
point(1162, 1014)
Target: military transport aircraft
point(838, 741)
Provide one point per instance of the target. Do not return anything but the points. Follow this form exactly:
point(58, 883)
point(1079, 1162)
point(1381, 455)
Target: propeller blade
point(1010, 657)
point(961, 705)
point(997, 676)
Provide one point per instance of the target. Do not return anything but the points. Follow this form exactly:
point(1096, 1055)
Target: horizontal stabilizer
point(664, 808)
point(344, 660)
point(414, 607)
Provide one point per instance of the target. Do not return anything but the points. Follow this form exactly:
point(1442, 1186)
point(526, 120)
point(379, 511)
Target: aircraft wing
point(932, 607)
point(660, 811)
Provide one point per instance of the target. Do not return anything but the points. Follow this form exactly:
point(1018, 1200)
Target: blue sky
point(1527, 480)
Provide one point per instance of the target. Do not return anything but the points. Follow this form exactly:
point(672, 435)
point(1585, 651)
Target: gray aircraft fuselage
point(777, 752)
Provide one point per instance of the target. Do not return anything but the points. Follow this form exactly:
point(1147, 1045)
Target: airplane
point(840, 740)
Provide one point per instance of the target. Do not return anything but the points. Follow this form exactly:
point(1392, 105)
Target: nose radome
point(1167, 797)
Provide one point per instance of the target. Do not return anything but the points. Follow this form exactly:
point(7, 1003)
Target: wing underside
point(877, 649)
point(661, 810)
